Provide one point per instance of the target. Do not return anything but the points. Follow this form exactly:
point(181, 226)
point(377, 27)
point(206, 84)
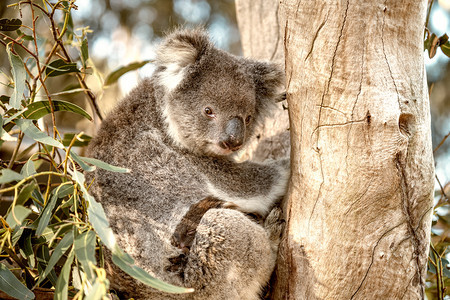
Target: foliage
point(438, 277)
point(53, 234)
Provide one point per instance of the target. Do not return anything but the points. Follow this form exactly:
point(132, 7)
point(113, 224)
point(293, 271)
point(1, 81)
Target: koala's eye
point(248, 119)
point(208, 111)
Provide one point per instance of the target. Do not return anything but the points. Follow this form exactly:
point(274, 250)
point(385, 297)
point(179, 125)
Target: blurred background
point(121, 32)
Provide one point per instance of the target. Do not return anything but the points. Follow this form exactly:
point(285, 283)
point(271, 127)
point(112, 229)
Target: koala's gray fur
point(179, 152)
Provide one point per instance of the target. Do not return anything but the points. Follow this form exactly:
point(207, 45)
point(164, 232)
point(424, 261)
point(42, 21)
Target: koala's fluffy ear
point(270, 86)
point(179, 50)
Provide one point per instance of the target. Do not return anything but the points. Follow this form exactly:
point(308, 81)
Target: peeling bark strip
point(362, 168)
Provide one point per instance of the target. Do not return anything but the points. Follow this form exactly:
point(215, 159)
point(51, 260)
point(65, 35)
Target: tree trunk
point(360, 200)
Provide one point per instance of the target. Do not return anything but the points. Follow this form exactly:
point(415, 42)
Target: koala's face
point(213, 99)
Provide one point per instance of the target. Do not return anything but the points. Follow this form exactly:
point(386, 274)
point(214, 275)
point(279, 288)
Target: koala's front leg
point(184, 233)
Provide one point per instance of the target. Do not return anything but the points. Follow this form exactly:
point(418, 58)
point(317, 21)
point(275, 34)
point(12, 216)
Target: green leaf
point(43, 256)
point(25, 193)
point(85, 251)
point(39, 109)
point(14, 116)
point(115, 75)
point(84, 51)
point(122, 259)
point(63, 190)
point(4, 99)
point(446, 48)
point(60, 67)
point(43, 220)
point(19, 76)
point(83, 140)
point(26, 248)
point(9, 176)
point(10, 24)
point(34, 133)
point(105, 166)
point(62, 285)
point(17, 233)
point(60, 249)
point(12, 286)
point(81, 163)
point(28, 168)
point(71, 91)
point(20, 212)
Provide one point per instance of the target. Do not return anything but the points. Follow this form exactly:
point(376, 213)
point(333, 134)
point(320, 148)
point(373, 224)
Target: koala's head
point(213, 100)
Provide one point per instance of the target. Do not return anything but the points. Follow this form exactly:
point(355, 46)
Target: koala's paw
point(177, 264)
point(274, 225)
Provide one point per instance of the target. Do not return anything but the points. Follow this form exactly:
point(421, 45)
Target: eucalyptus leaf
point(62, 285)
point(44, 218)
point(446, 48)
point(60, 67)
point(116, 74)
point(28, 168)
point(26, 248)
point(81, 163)
point(9, 176)
point(15, 115)
point(105, 166)
point(4, 99)
point(83, 140)
point(10, 24)
point(34, 133)
point(121, 260)
point(37, 110)
point(61, 248)
point(19, 76)
point(25, 193)
point(12, 286)
point(17, 234)
point(85, 251)
point(20, 212)
point(84, 51)
point(42, 257)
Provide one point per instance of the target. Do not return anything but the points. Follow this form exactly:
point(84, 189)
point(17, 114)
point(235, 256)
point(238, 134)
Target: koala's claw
point(274, 224)
point(177, 264)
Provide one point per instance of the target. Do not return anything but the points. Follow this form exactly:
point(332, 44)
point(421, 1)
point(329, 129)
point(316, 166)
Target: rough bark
point(359, 204)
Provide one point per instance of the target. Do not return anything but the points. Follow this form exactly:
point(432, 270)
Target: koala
point(183, 211)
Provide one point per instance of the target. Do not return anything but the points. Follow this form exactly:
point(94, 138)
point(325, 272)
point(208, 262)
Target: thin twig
point(442, 142)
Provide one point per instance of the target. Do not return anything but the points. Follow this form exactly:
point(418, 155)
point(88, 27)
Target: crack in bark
point(315, 37)
point(286, 40)
point(333, 60)
point(296, 10)
point(338, 124)
point(407, 287)
point(405, 190)
point(415, 241)
point(332, 108)
point(384, 52)
point(373, 258)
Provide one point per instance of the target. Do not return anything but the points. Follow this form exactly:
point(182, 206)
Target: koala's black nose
point(234, 133)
